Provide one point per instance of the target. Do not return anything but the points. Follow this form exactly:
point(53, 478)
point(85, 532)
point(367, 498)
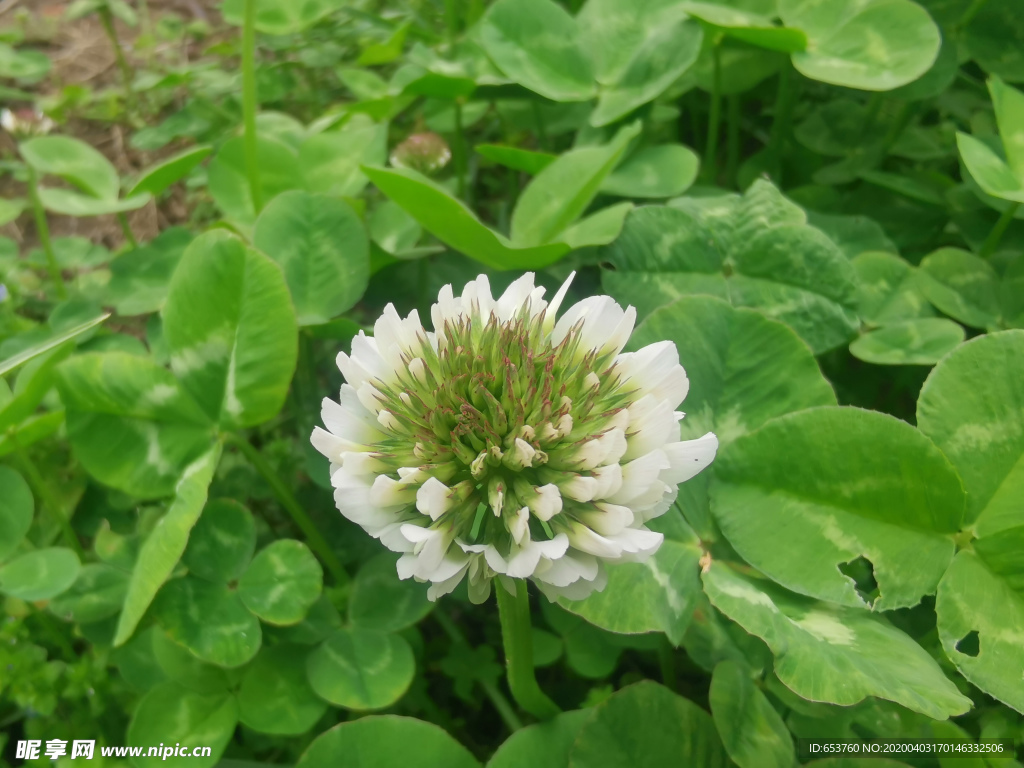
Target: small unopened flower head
point(425, 152)
point(25, 123)
point(509, 442)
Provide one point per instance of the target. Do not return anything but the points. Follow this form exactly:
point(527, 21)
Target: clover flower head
point(425, 152)
point(509, 442)
point(25, 123)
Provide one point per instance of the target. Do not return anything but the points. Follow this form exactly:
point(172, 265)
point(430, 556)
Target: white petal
point(639, 543)
point(655, 370)
point(523, 561)
point(387, 492)
point(571, 566)
point(580, 488)
point(354, 426)
point(331, 445)
point(584, 539)
point(639, 475)
point(689, 457)
point(433, 498)
point(609, 480)
point(547, 503)
point(652, 423)
point(551, 311)
point(441, 588)
point(607, 519)
point(577, 590)
point(514, 297)
point(519, 528)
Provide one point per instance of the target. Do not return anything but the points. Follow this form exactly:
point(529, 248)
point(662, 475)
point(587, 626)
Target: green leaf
point(42, 347)
point(40, 574)
point(825, 652)
point(647, 724)
point(452, 222)
point(993, 175)
point(330, 161)
point(525, 160)
point(1008, 103)
point(536, 43)
point(30, 431)
point(321, 246)
point(560, 193)
point(183, 667)
point(992, 39)
point(361, 669)
point(542, 745)
point(140, 278)
point(28, 66)
point(281, 17)
point(598, 228)
point(753, 733)
point(209, 619)
point(657, 595)
point(887, 289)
point(165, 544)
point(130, 423)
point(744, 369)
point(750, 27)
point(874, 45)
point(222, 542)
point(231, 330)
point(381, 601)
point(638, 50)
point(170, 714)
point(10, 209)
point(71, 203)
point(282, 582)
point(973, 601)
point(159, 177)
point(275, 696)
point(796, 486)
point(386, 741)
point(756, 252)
point(970, 407)
point(74, 161)
point(229, 183)
point(97, 594)
point(666, 170)
point(961, 285)
point(16, 511)
point(923, 341)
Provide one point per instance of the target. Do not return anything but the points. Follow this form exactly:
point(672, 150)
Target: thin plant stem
point(714, 117)
point(667, 662)
point(451, 20)
point(459, 151)
point(126, 228)
point(992, 241)
point(287, 499)
point(785, 99)
point(538, 119)
point(42, 490)
point(43, 231)
point(501, 704)
point(250, 105)
point(969, 14)
point(516, 634)
point(107, 20)
point(732, 155)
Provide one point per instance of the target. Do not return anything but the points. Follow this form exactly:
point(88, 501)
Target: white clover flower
point(25, 123)
point(506, 443)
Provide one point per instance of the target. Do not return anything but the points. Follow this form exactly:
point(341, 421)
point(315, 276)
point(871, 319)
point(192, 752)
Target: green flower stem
point(714, 116)
point(43, 231)
point(287, 499)
point(538, 119)
point(517, 637)
point(501, 704)
point(459, 151)
point(41, 488)
point(969, 14)
point(126, 228)
point(785, 100)
point(250, 105)
point(667, 662)
point(732, 155)
point(107, 20)
point(992, 241)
